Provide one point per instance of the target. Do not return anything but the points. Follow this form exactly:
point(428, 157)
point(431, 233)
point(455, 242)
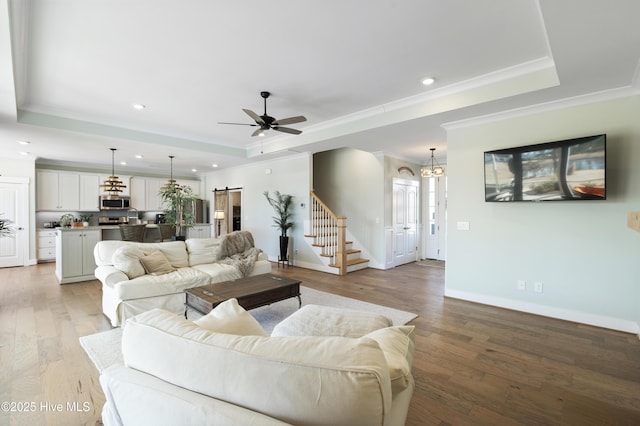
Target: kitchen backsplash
point(43, 218)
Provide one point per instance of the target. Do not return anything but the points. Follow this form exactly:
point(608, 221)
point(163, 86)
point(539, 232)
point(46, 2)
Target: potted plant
point(66, 220)
point(179, 203)
point(281, 204)
point(85, 218)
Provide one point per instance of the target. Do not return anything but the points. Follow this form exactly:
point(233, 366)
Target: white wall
point(582, 251)
point(25, 168)
point(291, 175)
point(351, 183)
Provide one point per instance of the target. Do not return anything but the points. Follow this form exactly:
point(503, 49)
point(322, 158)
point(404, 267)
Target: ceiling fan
point(266, 122)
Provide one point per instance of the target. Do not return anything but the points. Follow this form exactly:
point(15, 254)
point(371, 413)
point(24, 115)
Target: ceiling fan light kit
point(267, 122)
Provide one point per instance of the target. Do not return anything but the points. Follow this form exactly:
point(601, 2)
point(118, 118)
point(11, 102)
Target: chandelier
point(434, 170)
point(113, 185)
point(171, 183)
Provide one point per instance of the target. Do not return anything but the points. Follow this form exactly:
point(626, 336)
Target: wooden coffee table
point(251, 292)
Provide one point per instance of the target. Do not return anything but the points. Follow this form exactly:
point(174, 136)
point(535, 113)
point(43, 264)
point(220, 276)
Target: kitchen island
point(74, 247)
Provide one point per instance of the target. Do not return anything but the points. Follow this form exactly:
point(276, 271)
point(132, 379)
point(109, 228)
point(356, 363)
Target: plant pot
point(178, 238)
point(284, 248)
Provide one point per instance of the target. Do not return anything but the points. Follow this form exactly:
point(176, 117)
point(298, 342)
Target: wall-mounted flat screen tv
point(573, 169)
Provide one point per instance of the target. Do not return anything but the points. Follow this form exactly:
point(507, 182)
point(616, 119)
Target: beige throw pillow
point(231, 318)
point(156, 263)
point(127, 260)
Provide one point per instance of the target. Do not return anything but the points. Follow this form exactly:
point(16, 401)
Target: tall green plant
point(281, 204)
point(179, 206)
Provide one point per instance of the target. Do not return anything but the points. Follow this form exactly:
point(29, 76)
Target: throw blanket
point(243, 262)
point(235, 243)
point(237, 249)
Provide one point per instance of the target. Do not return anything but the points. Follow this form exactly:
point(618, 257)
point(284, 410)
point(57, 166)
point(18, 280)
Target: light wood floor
point(474, 364)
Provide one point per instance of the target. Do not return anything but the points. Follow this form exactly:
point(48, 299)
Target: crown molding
point(605, 95)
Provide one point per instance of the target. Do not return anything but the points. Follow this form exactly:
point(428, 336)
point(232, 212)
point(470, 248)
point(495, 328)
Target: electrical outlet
point(522, 285)
point(537, 287)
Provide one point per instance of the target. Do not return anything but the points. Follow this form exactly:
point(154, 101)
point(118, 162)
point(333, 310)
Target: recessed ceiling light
point(24, 142)
point(194, 170)
point(139, 106)
point(24, 153)
point(139, 156)
point(123, 163)
point(214, 165)
point(428, 81)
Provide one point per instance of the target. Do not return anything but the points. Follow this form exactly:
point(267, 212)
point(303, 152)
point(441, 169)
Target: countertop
point(85, 228)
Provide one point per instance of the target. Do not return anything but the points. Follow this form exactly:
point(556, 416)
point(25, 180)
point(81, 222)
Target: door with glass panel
point(435, 246)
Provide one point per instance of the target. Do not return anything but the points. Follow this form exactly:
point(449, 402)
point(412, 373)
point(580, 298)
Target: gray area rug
point(104, 348)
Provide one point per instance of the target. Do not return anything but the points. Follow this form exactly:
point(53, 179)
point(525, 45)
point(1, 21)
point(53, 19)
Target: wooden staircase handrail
point(315, 197)
point(323, 222)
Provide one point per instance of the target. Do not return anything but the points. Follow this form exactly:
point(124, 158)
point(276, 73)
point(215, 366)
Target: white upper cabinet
point(138, 193)
point(154, 201)
point(89, 193)
point(56, 191)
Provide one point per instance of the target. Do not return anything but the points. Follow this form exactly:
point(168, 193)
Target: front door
point(13, 206)
point(405, 221)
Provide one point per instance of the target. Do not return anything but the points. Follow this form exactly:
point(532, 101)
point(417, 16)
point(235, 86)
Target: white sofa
point(128, 290)
point(213, 378)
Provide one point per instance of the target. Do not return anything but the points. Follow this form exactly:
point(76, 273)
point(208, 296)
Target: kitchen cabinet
point(153, 199)
point(199, 231)
point(74, 254)
point(89, 193)
point(193, 184)
point(46, 245)
point(138, 193)
point(57, 191)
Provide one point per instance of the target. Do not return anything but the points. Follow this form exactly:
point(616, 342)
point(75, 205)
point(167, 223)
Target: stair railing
point(330, 232)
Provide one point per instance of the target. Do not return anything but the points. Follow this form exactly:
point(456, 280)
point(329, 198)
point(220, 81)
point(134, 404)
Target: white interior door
point(405, 221)
point(13, 206)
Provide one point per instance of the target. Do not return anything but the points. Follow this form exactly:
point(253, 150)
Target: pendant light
point(171, 183)
point(113, 185)
point(434, 170)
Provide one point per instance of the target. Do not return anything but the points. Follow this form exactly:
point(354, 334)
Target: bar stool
point(132, 232)
point(167, 230)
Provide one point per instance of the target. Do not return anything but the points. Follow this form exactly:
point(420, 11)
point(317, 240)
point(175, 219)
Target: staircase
point(329, 235)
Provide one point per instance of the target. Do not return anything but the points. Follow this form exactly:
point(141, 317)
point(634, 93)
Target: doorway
point(435, 235)
point(14, 194)
point(227, 212)
point(405, 221)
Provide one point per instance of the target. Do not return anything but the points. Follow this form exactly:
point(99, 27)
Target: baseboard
point(549, 311)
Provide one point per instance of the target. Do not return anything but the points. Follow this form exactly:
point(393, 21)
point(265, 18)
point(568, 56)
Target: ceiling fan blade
point(257, 132)
point(287, 130)
point(238, 124)
point(290, 120)
point(253, 115)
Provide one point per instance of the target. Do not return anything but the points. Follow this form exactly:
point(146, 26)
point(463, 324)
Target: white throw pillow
point(318, 320)
point(127, 260)
point(231, 318)
point(202, 250)
point(398, 346)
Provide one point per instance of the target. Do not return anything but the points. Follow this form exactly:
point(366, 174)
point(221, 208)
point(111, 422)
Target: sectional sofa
point(137, 277)
point(224, 370)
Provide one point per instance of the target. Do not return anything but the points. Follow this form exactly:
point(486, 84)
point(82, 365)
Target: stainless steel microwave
point(114, 202)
